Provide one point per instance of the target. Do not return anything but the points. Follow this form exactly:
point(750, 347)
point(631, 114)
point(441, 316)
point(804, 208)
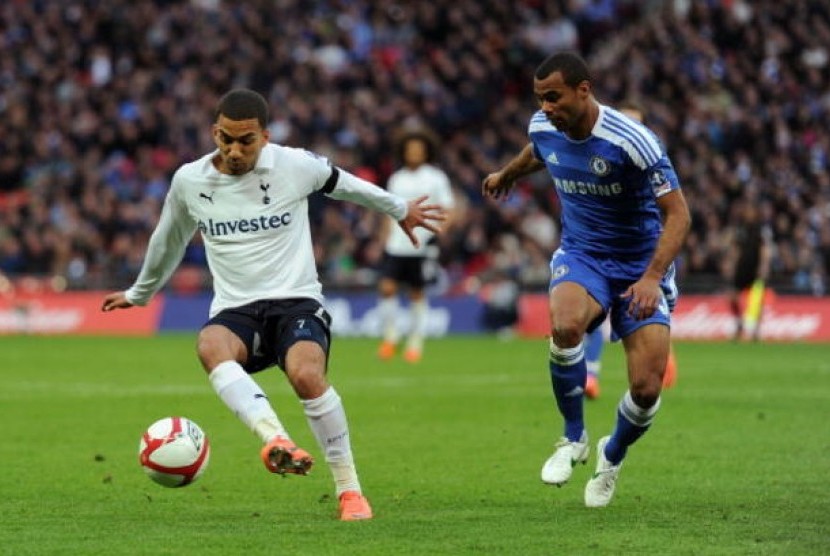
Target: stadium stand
point(100, 101)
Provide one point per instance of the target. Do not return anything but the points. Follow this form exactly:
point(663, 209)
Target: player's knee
point(567, 335)
point(206, 351)
point(645, 393)
point(387, 288)
point(212, 350)
point(308, 380)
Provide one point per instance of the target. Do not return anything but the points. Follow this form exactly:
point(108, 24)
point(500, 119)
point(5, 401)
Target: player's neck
point(586, 124)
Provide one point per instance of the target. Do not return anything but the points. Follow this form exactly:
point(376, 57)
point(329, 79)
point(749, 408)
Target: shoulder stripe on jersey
point(641, 141)
point(540, 122)
point(332, 181)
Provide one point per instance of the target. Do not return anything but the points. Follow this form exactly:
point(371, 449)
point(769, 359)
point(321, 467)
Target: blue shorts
point(605, 280)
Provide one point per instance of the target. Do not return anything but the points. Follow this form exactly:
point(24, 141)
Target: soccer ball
point(174, 451)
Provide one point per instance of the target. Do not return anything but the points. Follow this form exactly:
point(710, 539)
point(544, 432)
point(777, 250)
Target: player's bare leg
point(388, 309)
point(220, 351)
point(418, 311)
point(305, 365)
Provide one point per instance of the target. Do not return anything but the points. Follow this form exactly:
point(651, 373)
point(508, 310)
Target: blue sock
point(594, 342)
point(632, 423)
point(567, 374)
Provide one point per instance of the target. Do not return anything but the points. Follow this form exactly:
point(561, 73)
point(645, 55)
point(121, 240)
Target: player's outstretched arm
point(116, 300)
point(419, 215)
point(498, 184)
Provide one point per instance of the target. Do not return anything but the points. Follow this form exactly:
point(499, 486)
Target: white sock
point(418, 310)
point(246, 399)
point(388, 308)
point(327, 420)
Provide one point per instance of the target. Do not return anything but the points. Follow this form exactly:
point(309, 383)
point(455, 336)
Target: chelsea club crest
point(599, 166)
point(560, 271)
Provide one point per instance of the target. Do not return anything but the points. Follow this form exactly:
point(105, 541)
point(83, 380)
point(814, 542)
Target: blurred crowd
point(100, 101)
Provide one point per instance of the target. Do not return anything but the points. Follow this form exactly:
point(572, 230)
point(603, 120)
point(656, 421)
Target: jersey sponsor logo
point(588, 188)
point(599, 166)
point(244, 225)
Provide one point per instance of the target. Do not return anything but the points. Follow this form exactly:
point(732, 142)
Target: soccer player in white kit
point(248, 199)
point(406, 264)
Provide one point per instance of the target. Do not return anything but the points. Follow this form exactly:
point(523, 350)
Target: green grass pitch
point(449, 452)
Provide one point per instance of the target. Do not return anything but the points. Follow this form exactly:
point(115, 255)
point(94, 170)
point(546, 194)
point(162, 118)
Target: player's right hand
point(421, 215)
point(495, 186)
point(116, 300)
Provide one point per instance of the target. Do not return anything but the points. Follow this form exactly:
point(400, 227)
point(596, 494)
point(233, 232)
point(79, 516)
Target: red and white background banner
point(697, 317)
point(708, 317)
point(73, 313)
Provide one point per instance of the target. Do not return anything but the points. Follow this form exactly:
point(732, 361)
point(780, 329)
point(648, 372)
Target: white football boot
point(600, 487)
point(558, 468)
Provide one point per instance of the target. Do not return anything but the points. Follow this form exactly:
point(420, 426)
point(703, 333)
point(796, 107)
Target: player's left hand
point(115, 300)
point(644, 297)
point(420, 215)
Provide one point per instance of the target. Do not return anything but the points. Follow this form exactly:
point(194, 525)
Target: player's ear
point(584, 88)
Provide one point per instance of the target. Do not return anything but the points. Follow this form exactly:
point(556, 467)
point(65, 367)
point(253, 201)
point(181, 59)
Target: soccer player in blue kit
point(624, 220)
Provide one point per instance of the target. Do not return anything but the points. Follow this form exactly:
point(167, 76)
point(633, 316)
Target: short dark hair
point(243, 104)
point(573, 67)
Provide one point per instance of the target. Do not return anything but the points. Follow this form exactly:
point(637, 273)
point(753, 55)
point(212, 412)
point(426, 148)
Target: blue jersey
point(608, 184)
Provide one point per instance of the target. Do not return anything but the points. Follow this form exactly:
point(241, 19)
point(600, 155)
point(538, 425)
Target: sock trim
point(225, 373)
point(566, 356)
point(636, 415)
point(319, 406)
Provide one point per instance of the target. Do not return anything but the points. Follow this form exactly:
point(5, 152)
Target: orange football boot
point(592, 386)
point(412, 355)
point(282, 456)
point(354, 506)
point(386, 350)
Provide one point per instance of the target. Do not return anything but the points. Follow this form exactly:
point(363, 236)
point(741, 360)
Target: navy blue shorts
point(270, 327)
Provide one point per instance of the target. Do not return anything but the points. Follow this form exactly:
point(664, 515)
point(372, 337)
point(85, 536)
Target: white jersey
point(411, 184)
point(255, 226)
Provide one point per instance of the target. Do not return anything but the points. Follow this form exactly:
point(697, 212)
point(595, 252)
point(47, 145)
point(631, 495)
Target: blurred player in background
point(248, 199)
point(595, 340)
point(751, 251)
point(406, 265)
point(624, 220)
